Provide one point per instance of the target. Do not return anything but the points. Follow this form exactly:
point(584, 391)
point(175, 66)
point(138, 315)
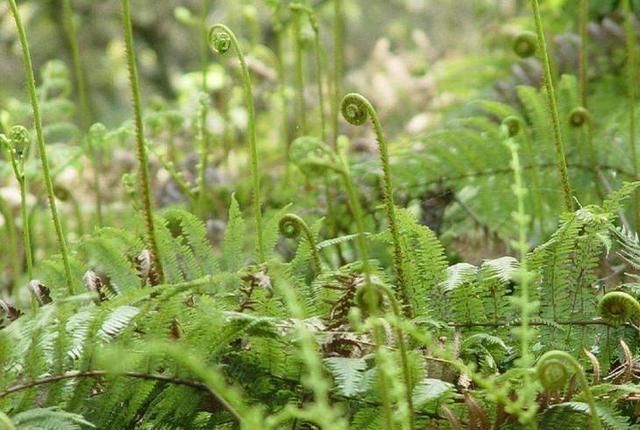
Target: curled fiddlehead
point(221, 39)
point(356, 109)
point(314, 157)
point(525, 44)
point(513, 125)
point(617, 308)
point(579, 117)
point(292, 226)
point(554, 370)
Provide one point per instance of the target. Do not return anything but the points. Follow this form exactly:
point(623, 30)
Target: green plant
point(37, 120)
point(553, 107)
point(221, 39)
point(356, 110)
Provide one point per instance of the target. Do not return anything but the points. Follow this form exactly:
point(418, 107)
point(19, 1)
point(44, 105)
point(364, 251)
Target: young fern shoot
point(16, 145)
point(42, 149)
point(141, 150)
point(221, 39)
point(356, 109)
point(553, 108)
point(291, 226)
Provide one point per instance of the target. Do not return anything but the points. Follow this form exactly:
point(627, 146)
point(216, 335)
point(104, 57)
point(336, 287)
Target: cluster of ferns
point(346, 312)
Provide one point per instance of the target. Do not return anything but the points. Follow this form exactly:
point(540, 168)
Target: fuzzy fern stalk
point(141, 151)
point(203, 138)
point(12, 239)
point(95, 140)
point(16, 145)
point(555, 370)
point(42, 150)
point(78, 68)
point(221, 39)
point(630, 35)
point(356, 110)
point(205, 6)
point(317, 50)
point(338, 59)
point(292, 226)
point(302, 115)
point(524, 332)
point(553, 108)
point(583, 18)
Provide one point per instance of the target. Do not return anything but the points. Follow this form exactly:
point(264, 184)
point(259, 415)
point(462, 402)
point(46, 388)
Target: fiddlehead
point(356, 110)
point(42, 149)
point(579, 117)
point(553, 108)
point(513, 125)
point(292, 226)
point(221, 39)
point(525, 44)
point(555, 369)
point(617, 308)
point(143, 168)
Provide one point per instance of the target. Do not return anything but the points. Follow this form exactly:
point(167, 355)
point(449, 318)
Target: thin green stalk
point(338, 60)
point(95, 138)
point(630, 35)
point(302, 116)
point(205, 6)
point(317, 50)
point(221, 38)
point(203, 138)
point(37, 120)
point(282, 92)
point(78, 68)
point(356, 110)
point(553, 108)
point(583, 53)
point(141, 151)
point(523, 302)
point(12, 240)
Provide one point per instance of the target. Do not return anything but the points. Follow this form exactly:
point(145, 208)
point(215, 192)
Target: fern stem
point(143, 167)
point(338, 60)
point(553, 107)
point(78, 68)
point(42, 150)
point(222, 47)
point(12, 239)
point(317, 50)
point(302, 116)
point(630, 36)
point(583, 52)
point(356, 109)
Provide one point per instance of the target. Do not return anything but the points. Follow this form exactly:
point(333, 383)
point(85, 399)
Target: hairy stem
point(356, 109)
point(42, 150)
point(253, 148)
point(630, 36)
point(141, 150)
point(553, 108)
